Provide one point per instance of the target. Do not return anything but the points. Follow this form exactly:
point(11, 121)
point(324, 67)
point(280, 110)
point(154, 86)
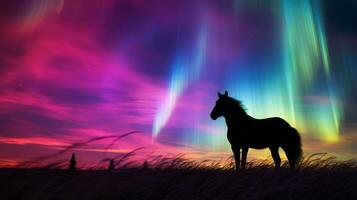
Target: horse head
point(220, 107)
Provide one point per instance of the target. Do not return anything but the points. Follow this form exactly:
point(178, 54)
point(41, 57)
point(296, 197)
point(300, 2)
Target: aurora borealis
point(74, 70)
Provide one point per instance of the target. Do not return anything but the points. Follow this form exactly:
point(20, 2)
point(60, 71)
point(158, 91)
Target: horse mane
point(237, 104)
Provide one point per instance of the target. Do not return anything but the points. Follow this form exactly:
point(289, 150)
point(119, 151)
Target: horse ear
point(226, 93)
point(219, 95)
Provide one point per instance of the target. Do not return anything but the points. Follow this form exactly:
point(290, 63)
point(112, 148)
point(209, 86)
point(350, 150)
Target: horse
point(246, 132)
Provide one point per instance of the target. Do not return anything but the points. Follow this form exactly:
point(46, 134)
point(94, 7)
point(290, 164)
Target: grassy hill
point(316, 178)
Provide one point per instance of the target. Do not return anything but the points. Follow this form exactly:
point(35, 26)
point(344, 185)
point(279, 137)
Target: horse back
point(272, 123)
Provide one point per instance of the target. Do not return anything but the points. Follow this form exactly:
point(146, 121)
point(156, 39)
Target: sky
point(76, 75)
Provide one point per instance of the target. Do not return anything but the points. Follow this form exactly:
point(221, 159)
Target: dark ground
point(315, 179)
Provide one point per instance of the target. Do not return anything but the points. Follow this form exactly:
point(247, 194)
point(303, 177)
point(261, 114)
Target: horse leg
point(275, 154)
point(236, 152)
point(292, 161)
point(244, 156)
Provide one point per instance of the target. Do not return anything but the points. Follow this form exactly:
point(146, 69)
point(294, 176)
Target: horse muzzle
point(214, 117)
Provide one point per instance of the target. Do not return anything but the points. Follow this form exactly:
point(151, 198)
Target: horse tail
point(293, 147)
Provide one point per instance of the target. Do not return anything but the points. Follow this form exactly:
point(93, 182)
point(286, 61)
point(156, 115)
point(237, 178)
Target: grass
point(318, 177)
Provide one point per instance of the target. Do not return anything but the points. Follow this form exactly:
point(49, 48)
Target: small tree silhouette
point(111, 166)
point(73, 163)
point(145, 165)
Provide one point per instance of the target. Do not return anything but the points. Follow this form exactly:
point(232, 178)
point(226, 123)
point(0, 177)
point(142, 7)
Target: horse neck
point(233, 117)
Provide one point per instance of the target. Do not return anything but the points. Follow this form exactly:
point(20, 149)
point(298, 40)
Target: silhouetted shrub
point(73, 163)
point(111, 165)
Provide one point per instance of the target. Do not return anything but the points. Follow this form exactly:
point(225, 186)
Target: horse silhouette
point(246, 132)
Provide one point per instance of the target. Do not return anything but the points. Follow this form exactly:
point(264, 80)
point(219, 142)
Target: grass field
point(318, 177)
